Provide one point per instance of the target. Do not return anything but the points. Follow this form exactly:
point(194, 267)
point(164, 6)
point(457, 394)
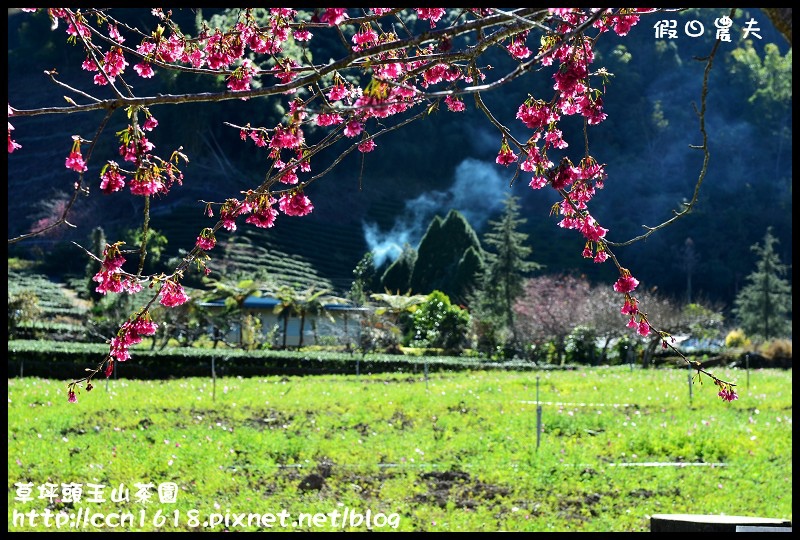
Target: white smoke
point(477, 192)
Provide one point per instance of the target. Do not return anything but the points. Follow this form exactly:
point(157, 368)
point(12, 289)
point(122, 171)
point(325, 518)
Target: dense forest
point(381, 201)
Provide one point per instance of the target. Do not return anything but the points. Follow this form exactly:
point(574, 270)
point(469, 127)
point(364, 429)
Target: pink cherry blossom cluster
point(130, 333)
point(206, 240)
point(625, 285)
point(111, 278)
point(726, 392)
point(172, 294)
point(75, 160)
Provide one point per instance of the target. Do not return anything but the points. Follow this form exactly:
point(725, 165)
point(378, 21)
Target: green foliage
point(737, 339)
point(768, 78)
point(250, 254)
point(580, 346)
point(469, 273)
point(764, 306)
point(364, 282)
point(110, 311)
point(63, 359)
point(308, 302)
point(38, 305)
point(15, 264)
point(625, 350)
point(439, 324)
point(507, 263)
point(440, 257)
point(704, 323)
point(22, 307)
point(233, 291)
point(397, 276)
point(155, 247)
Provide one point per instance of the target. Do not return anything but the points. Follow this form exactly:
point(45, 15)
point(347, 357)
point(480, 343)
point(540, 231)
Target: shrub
point(737, 339)
point(438, 323)
point(778, 348)
point(581, 347)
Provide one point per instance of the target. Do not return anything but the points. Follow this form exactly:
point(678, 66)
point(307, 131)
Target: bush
point(778, 348)
point(439, 324)
point(22, 307)
point(580, 346)
point(737, 339)
point(624, 350)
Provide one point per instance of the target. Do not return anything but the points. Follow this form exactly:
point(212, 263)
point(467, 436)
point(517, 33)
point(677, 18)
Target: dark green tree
point(442, 263)
point(507, 263)
point(397, 277)
point(469, 275)
point(764, 306)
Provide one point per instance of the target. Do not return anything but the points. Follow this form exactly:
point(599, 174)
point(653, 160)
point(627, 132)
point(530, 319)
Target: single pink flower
point(329, 119)
point(112, 179)
point(264, 213)
point(538, 182)
point(113, 33)
point(629, 307)
point(626, 283)
point(150, 124)
point(365, 36)
point(172, 294)
point(119, 349)
point(353, 128)
point(144, 69)
point(517, 47)
point(643, 329)
point(295, 204)
point(71, 397)
point(333, 16)
point(454, 104)
point(506, 156)
point(431, 14)
point(206, 240)
point(367, 146)
point(302, 35)
point(75, 162)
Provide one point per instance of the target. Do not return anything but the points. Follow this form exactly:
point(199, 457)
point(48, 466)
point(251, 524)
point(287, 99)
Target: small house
point(332, 324)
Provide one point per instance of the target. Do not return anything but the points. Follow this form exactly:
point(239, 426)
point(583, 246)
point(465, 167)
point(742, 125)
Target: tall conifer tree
point(764, 305)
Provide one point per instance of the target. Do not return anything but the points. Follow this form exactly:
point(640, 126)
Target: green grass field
point(457, 452)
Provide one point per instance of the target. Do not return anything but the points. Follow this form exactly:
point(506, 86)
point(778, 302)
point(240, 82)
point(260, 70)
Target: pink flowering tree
point(550, 307)
point(394, 66)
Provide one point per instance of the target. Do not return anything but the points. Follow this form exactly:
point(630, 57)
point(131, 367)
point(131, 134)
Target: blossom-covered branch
point(396, 66)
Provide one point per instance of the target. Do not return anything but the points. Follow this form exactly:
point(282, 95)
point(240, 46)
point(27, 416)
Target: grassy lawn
point(457, 452)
